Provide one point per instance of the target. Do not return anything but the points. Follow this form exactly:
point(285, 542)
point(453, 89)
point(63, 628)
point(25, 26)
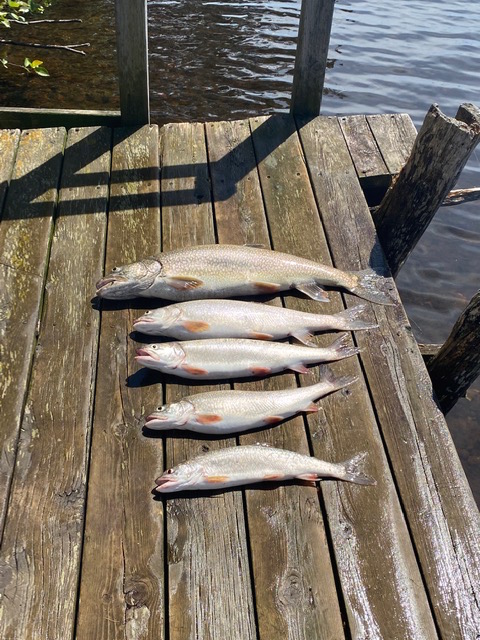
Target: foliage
point(16, 11)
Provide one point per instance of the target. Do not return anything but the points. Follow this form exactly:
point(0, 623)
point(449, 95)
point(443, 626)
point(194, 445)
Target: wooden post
point(442, 148)
point(132, 57)
point(457, 364)
point(311, 58)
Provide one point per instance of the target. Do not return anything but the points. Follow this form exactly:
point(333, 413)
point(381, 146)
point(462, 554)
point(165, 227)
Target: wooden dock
point(87, 550)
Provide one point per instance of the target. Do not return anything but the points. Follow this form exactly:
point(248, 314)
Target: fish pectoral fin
point(194, 371)
point(273, 419)
point(216, 479)
point(195, 326)
point(183, 282)
point(208, 418)
point(305, 337)
point(310, 477)
point(311, 408)
point(267, 287)
point(258, 335)
point(312, 290)
point(299, 368)
point(260, 371)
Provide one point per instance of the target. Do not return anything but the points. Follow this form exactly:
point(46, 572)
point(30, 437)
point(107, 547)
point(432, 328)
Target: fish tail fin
point(337, 382)
point(348, 319)
point(353, 472)
point(342, 347)
point(369, 286)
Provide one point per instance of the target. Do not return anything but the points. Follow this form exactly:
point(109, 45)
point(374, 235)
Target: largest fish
point(223, 271)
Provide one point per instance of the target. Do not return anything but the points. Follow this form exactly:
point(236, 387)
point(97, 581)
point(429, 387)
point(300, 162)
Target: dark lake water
point(226, 59)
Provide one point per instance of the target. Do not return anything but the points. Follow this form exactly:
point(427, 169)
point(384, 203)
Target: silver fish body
point(224, 412)
point(232, 358)
point(243, 465)
point(201, 319)
point(224, 271)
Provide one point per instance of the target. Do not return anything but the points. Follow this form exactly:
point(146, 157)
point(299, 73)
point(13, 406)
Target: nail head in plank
point(285, 525)
point(209, 582)
point(25, 233)
point(122, 588)
point(44, 526)
point(364, 521)
point(437, 500)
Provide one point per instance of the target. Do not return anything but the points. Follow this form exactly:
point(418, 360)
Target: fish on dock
point(227, 411)
point(237, 358)
point(201, 319)
point(225, 271)
point(247, 464)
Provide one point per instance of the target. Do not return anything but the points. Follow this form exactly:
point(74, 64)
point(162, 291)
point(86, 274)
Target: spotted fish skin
point(224, 271)
point(227, 411)
point(243, 465)
point(202, 319)
point(232, 358)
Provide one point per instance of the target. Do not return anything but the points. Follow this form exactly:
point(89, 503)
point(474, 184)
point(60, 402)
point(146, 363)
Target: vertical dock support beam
point(311, 59)
point(457, 364)
point(132, 57)
point(442, 148)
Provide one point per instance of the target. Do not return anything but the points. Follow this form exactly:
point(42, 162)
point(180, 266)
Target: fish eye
point(169, 471)
point(115, 269)
point(147, 312)
point(154, 346)
point(162, 408)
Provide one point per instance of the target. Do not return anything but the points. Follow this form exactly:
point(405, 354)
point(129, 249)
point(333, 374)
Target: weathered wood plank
point(8, 149)
point(122, 588)
point(311, 56)
point(40, 553)
point(294, 584)
point(395, 135)
point(132, 59)
point(208, 569)
point(24, 240)
point(438, 503)
point(366, 523)
point(26, 118)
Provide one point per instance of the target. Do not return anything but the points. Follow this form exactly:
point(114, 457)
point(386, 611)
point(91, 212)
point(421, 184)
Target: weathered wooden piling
point(311, 56)
point(457, 364)
point(442, 148)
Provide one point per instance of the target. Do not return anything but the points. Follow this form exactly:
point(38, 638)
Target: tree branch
point(45, 21)
point(72, 47)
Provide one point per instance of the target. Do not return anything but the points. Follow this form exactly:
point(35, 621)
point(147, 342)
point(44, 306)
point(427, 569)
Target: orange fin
point(214, 479)
point(273, 419)
point(195, 371)
point(268, 287)
point(261, 336)
point(299, 368)
point(196, 327)
point(312, 408)
point(273, 476)
point(260, 371)
point(184, 282)
point(311, 477)
point(208, 418)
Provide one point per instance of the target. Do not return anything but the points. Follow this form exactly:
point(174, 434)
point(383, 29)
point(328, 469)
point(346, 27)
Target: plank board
point(8, 149)
point(122, 588)
point(442, 516)
point(25, 233)
point(394, 135)
point(285, 525)
point(40, 552)
point(210, 593)
point(382, 600)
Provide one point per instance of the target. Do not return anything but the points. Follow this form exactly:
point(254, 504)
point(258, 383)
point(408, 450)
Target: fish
point(225, 271)
point(237, 358)
point(234, 466)
point(224, 412)
point(201, 319)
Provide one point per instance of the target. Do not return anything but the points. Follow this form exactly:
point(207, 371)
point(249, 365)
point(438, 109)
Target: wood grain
point(122, 580)
point(210, 594)
point(294, 583)
point(25, 234)
point(28, 118)
point(442, 517)
point(366, 523)
point(395, 135)
point(42, 541)
point(8, 149)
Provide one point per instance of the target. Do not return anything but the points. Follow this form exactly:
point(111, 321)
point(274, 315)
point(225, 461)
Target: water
point(226, 59)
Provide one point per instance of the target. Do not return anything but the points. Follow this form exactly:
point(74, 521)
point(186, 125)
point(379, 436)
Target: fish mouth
point(143, 319)
point(104, 284)
point(144, 353)
point(155, 418)
point(166, 483)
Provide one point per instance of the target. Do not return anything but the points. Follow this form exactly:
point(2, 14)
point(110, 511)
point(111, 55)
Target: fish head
point(170, 416)
point(157, 320)
point(129, 281)
point(180, 478)
point(168, 355)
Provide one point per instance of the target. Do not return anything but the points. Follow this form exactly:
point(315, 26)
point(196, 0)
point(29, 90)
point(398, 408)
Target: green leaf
point(4, 61)
point(41, 71)
point(26, 63)
point(14, 4)
point(36, 63)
